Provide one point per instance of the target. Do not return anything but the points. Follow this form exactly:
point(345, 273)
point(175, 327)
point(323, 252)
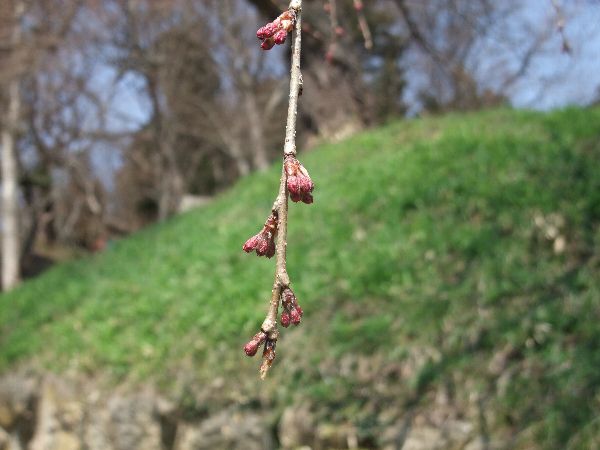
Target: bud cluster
point(268, 355)
point(299, 183)
point(276, 32)
point(292, 313)
point(264, 242)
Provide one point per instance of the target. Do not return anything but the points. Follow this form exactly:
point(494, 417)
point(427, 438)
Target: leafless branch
point(279, 215)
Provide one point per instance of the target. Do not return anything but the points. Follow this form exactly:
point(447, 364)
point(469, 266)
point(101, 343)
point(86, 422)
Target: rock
point(17, 395)
point(59, 416)
point(228, 429)
point(132, 422)
point(296, 427)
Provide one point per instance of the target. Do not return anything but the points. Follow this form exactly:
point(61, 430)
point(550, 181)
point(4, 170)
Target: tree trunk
point(10, 176)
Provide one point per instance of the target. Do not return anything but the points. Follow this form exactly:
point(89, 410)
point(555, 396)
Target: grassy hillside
point(460, 251)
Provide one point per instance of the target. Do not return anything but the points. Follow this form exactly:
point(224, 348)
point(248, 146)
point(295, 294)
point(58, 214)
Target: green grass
point(430, 244)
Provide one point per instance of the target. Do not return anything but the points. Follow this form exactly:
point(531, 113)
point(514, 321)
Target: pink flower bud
point(299, 183)
point(285, 319)
point(251, 243)
point(267, 31)
point(280, 36)
point(293, 184)
point(295, 315)
point(264, 242)
point(276, 32)
point(252, 346)
point(288, 299)
point(268, 44)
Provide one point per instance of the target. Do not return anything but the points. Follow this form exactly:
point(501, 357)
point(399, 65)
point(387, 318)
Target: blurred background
point(448, 269)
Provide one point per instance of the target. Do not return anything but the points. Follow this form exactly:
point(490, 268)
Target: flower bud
point(280, 36)
point(276, 32)
point(299, 183)
point(267, 31)
point(251, 243)
point(285, 319)
point(252, 346)
point(295, 316)
point(264, 242)
point(267, 44)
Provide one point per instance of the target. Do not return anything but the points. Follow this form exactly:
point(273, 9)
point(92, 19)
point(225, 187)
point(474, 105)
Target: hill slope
point(455, 257)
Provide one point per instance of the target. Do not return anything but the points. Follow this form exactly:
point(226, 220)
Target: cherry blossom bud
point(252, 243)
point(264, 242)
point(295, 316)
point(292, 311)
point(268, 44)
point(276, 32)
point(280, 36)
point(252, 346)
point(267, 31)
point(299, 183)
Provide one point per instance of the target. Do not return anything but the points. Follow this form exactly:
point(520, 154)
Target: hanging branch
point(295, 180)
point(362, 23)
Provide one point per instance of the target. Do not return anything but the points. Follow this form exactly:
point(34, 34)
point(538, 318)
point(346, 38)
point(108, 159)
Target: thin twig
point(363, 24)
point(280, 206)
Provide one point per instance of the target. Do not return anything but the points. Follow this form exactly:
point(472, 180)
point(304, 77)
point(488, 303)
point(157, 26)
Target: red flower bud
point(285, 319)
point(299, 183)
point(252, 346)
point(295, 315)
point(267, 31)
point(251, 243)
point(293, 185)
point(264, 242)
point(267, 44)
point(280, 36)
point(276, 32)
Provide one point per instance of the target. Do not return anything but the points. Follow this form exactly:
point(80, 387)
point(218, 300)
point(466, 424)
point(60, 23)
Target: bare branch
point(295, 181)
